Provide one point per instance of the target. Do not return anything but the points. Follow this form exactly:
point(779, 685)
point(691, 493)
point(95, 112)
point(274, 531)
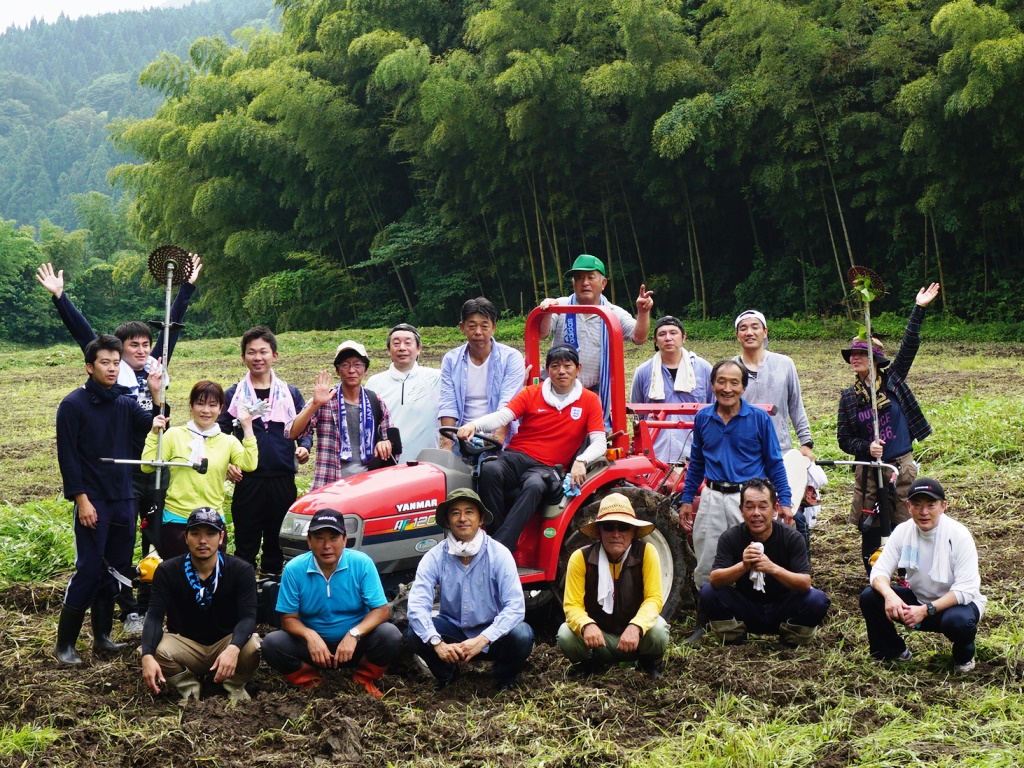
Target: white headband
point(750, 313)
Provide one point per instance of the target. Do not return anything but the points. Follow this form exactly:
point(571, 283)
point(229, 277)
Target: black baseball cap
point(925, 486)
point(205, 516)
point(327, 519)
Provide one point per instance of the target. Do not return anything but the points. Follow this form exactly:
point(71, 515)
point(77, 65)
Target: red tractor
point(389, 513)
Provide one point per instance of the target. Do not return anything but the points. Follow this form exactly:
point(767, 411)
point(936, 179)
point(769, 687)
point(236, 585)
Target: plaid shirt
point(894, 382)
point(324, 421)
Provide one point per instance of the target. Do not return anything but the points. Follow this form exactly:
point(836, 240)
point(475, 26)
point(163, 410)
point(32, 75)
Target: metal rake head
point(170, 259)
point(866, 283)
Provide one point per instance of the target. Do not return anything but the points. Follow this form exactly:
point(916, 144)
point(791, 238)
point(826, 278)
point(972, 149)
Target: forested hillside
point(373, 161)
point(384, 160)
point(61, 84)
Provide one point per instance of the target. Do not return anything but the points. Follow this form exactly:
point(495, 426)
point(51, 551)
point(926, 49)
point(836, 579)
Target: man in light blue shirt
point(334, 612)
point(482, 375)
point(482, 603)
point(673, 375)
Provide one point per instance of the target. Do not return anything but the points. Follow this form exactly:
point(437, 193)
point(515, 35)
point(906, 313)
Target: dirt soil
point(109, 719)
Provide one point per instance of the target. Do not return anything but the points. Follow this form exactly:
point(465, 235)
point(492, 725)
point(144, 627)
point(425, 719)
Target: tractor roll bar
point(616, 361)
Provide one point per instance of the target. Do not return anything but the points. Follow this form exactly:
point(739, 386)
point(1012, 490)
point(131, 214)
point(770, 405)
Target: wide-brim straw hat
point(615, 508)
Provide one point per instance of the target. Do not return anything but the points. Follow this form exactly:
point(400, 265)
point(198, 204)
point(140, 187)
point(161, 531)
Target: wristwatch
point(435, 641)
point(355, 632)
point(932, 610)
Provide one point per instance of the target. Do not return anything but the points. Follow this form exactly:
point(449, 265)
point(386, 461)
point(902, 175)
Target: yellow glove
point(874, 557)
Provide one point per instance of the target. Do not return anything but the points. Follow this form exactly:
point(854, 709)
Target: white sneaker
point(134, 623)
point(967, 666)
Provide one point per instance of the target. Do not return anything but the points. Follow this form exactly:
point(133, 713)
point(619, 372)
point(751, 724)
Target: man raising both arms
point(133, 374)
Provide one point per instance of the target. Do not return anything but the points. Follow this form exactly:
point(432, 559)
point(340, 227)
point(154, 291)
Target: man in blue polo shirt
point(732, 442)
point(334, 612)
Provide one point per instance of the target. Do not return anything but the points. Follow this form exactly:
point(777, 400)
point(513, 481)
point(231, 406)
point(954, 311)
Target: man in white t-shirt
point(587, 332)
point(482, 375)
point(944, 592)
point(410, 390)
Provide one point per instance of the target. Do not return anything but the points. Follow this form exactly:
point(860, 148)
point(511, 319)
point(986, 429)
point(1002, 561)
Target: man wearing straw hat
point(900, 423)
point(761, 579)
point(482, 603)
point(613, 596)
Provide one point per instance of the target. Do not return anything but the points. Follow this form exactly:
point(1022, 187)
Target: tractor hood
point(384, 507)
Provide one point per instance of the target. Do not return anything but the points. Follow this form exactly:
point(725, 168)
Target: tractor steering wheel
point(471, 448)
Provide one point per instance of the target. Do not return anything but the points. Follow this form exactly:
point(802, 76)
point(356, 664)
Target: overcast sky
point(20, 12)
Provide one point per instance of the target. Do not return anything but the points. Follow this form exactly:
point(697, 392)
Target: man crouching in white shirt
point(944, 595)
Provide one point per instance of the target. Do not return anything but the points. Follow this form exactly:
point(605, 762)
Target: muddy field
point(103, 716)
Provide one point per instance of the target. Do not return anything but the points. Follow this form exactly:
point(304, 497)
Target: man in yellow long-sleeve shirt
point(613, 596)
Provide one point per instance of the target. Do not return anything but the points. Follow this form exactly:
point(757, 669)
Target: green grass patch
point(36, 540)
point(25, 741)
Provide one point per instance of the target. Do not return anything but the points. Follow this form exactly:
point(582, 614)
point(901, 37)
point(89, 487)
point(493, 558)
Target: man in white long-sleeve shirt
point(944, 595)
point(410, 390)
point(554, 420)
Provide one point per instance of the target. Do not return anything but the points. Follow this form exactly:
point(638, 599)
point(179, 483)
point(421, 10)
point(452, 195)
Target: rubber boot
point(794, 635)
point(367, 674)
point(698, 633)
point(651, 665)
point(187, 685)
point(102, 615)
point(305, 677)
point(236, 692)
point(68, 628)
point(730, 631)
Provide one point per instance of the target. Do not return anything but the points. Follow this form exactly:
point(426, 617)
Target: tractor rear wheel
point(676, 557)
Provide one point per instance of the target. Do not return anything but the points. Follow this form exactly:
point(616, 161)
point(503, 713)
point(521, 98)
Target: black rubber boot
point(698, 632)
point(68, 628)
point(102, 612)
point(651, 665)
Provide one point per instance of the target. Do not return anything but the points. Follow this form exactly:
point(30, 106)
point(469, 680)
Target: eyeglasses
point(620, 527)
point(352, 366)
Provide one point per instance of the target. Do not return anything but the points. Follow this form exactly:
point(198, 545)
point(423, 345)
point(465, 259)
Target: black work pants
point(512, 486)
point(259, 505)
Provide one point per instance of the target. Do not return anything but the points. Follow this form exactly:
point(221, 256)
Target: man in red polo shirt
point(555, 418)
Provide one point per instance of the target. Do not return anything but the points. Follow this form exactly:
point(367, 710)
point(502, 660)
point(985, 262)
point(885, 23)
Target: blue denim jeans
point(959, 624)
point(509, 653)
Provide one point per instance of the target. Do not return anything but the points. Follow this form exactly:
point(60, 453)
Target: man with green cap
point(588, 332)
point(482, 604)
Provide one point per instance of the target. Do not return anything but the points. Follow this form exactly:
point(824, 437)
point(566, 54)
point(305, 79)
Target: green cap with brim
point(586, 263)
point(441, 515)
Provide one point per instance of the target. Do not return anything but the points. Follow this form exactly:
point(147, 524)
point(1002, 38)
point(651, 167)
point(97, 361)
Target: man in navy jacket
point(94, 422)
